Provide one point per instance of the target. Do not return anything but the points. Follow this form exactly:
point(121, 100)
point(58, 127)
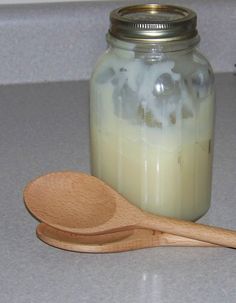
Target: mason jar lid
point(153, 23)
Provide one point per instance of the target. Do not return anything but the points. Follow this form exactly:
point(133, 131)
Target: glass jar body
point(151, 124)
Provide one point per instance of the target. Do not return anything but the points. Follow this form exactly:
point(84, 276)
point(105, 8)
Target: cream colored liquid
point(165, 170)
point(174, 183)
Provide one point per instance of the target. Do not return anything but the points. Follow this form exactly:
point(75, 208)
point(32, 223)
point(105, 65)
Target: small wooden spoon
point(79, 203)
point(113, 242)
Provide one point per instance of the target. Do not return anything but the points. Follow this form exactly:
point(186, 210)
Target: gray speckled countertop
point(44, 127)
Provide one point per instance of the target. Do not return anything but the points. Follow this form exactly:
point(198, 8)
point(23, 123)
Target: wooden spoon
point(79, 203)
point(113, 242)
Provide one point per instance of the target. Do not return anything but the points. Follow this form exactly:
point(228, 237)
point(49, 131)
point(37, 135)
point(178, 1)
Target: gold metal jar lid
point(153, 23)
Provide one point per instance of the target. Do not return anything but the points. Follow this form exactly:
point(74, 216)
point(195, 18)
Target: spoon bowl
point(76, 202)
point(79, 203)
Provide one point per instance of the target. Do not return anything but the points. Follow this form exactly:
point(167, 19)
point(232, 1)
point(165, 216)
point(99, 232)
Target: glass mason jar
point(152, 111)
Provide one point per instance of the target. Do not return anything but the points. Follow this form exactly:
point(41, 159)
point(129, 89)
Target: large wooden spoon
point(79, 203)
point(113, 242)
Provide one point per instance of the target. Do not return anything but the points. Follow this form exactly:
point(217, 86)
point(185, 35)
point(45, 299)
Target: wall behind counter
point(61, 41)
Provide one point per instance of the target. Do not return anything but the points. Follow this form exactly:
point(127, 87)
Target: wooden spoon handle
point(147, 239)
point(166, 239)
point(114, 242)
point(215, 235)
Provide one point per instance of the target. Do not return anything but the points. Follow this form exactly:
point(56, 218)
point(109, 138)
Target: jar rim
point(153, 23)
point(153, 46)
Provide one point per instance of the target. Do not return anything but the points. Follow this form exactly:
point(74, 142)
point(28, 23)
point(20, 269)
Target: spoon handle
point(166, 239)
point(211, 234)
point(130, 240)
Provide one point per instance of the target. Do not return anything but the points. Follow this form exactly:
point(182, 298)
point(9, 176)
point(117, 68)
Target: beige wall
point(45, 1)
point(61, 42)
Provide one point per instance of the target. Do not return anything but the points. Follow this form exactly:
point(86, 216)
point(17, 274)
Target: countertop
point(44, 127)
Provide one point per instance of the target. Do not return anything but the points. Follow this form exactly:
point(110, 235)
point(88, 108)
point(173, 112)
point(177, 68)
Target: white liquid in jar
point(163, 168)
